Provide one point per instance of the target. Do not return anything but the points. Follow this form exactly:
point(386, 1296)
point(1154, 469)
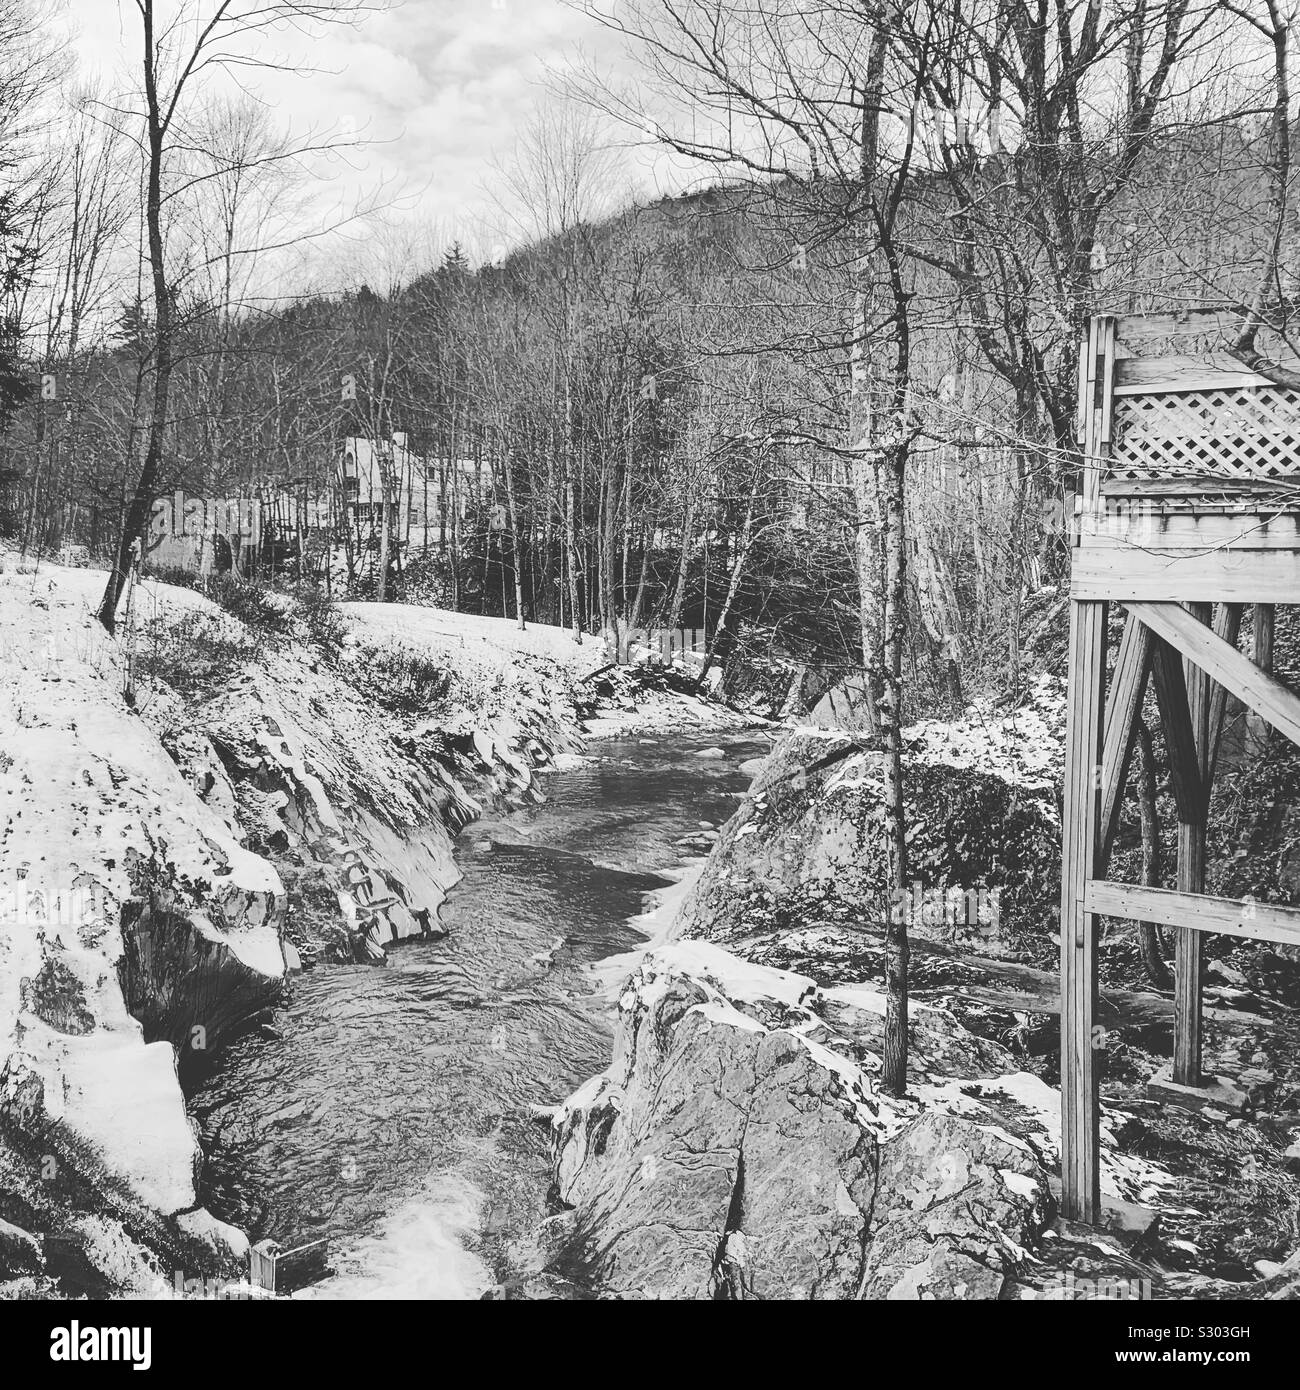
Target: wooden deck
point(1189, 510)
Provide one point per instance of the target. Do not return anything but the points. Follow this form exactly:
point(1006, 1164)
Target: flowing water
point(392, 1114)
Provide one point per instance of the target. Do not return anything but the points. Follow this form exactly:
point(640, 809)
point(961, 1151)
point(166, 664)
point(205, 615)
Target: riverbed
point(389, 1109)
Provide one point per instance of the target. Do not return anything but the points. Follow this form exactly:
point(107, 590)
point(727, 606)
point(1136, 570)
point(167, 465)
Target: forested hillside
point(661, 399)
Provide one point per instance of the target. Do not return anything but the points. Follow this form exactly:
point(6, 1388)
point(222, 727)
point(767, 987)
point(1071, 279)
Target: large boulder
point(952, 1216)
point(727, 1153)
point(807, 845)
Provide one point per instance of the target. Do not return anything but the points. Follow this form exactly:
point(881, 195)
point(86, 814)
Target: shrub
point(193, 653)
point(400, 679)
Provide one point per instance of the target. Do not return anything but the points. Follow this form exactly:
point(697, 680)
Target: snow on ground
point(1024, 747)
point(467, 637)
point(85, 588)
point(86, 791)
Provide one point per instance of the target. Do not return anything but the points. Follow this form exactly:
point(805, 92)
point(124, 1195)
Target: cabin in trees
point(421, 496)
point(1190, 520)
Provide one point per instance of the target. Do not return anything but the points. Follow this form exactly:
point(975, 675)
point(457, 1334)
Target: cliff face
point(98, 826)
point(162, 858)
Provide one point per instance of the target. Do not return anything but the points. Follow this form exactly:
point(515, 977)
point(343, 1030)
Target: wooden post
point(1081, 819)
point(1081, 816)
point(262, 1259)
point(1123, 710)
point(1227, 624)
point(1191, 879)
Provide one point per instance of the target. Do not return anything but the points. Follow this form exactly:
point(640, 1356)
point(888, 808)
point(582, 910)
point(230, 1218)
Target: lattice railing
point(1243, 433)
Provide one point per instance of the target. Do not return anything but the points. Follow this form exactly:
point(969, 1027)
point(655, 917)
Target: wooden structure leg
point(1123, 710)
point(1191, 879)
point(1081, 817)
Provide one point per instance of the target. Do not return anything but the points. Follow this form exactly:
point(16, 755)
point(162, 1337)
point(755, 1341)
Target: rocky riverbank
point(739, 1145)
point(219, 796)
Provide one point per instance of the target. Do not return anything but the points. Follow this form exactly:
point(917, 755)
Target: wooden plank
point(1261, 653)
point(1253, 687)
point(1166, 576)
point(1123, 708)
point(1133, 329)
point(1227, 625)
point(1207, 371)
point(1101, 376)
point(1180, 738)
point(1207, 484)
point(1087, 369)
point(1136, 527)
point(1085, 708)
point(1081, 396)
point(1261, 643)
point(1199, 912)
point(1105, 431)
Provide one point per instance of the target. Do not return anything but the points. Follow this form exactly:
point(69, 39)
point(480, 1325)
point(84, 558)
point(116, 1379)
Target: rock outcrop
point(119, 882)
point(983, 835)
point(729, 1152)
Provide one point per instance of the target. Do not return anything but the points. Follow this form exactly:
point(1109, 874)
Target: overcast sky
point(440, 86)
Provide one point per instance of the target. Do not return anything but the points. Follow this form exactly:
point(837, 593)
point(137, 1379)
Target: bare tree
point(180, 45)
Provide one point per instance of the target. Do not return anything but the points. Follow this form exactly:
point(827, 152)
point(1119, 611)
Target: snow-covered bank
point(191, 809)
point(118, 880)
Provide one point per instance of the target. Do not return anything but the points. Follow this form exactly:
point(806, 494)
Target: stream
point(392, 1115)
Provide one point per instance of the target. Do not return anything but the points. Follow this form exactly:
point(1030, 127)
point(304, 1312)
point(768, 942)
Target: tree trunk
point(895, 828)
point(514, 530)
point(737, 567)
point(137, 514)
point(683, 562)
point(381, 589)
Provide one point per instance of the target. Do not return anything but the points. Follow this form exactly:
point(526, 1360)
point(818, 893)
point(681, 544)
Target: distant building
point(367, 468)
point(202, 533)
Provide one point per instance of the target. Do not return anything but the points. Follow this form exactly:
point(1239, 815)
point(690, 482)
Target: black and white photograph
point(649, 651)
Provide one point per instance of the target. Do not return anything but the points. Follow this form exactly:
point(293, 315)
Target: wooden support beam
point(1261, 647)
point(1198, 912)
point(1125, 524)
point(1227, 626)
point(1253, 687)
point(1143, 328)
point(1207, 371)
point(1180, 737)
point(1081, 816)
point(1191, 871)
point(1084, 739)
point(1123, 709)
point(1128, 573)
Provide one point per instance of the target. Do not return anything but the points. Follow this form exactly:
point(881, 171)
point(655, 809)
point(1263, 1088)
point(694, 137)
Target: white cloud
point(439, 88)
